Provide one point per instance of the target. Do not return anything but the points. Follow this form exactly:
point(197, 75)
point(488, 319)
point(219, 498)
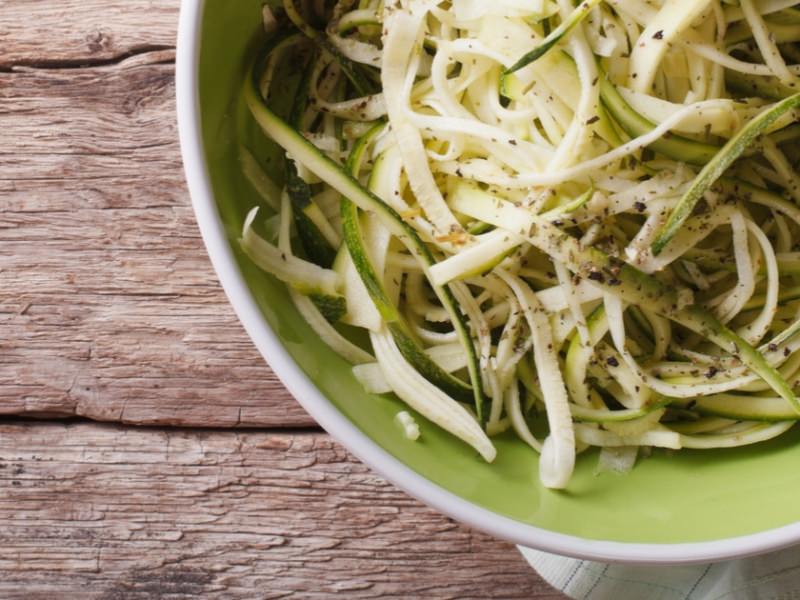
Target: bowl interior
point(688, 496)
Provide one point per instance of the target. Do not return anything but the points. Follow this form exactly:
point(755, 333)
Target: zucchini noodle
point(575, 223)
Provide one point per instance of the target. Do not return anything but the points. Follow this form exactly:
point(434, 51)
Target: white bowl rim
point(339, 427)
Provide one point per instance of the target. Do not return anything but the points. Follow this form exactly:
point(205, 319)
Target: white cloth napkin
point(774, 576)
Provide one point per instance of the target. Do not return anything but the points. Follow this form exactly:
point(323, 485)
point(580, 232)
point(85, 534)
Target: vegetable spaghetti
point(579, 222)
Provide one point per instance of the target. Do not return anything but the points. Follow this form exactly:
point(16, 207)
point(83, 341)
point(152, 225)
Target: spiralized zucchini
point(576, 222)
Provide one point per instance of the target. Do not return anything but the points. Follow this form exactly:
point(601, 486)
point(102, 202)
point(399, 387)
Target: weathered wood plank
point(109, 306)
point(107, 512)
point(79, 32)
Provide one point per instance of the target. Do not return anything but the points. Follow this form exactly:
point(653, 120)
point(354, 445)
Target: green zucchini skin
point(391, 316)
point(339, 178)
point(314, 243)
point(573, 205)
point(745, 408)
point(553, 37)
point(583, 414)
point(736, 346)
point(716, 167)
point(757, 85)
point(635, 125)
point(353, 71)
point(332, 308)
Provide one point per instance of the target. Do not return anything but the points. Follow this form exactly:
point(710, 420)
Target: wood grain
point(106, 512)
point(75, 33)
point(109, 306)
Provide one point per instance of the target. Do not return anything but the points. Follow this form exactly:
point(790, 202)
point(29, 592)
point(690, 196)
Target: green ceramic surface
point(687, 496)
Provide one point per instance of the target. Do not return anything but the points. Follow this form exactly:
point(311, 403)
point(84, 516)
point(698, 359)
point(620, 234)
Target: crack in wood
point(78, 420)
point(89, 61)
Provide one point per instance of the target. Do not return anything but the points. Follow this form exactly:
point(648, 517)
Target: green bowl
point(688, 506)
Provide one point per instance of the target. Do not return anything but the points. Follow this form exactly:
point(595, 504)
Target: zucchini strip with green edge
point(304, 276)
point(625, 281)
point(427, 399)
point(394, 321)
point(717, 167)
point(586, 414)
point(745, 408)
point(351, 70)
point(570, 206)
point(555, 36)
point(579, 355)
point(305, 211)
point(338, 178)
point(758, 433)
point(635, 125)
point(332, 308)
point(758, 85)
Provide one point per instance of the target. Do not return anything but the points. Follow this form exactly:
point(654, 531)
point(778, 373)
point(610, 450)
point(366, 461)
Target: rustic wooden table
point(112, 318)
